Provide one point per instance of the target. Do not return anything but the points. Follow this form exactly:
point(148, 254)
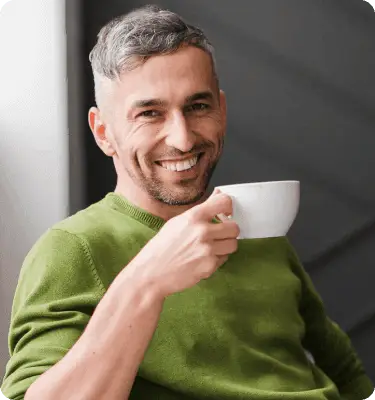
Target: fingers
point(217, 203)
point(226, 230)
point(221, 260)
point(225, 247)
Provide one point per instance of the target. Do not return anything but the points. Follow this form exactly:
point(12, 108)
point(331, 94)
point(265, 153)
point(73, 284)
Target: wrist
point(135, 277)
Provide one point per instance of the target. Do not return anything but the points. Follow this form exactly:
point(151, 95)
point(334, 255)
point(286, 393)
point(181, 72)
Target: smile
point(178, 166)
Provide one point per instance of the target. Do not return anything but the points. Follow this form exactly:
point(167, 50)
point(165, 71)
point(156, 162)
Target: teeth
point(179, 166)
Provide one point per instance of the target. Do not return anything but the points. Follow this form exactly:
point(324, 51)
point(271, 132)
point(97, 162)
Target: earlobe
point(107, 147)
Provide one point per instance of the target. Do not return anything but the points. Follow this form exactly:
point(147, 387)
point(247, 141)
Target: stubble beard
point(188, 193)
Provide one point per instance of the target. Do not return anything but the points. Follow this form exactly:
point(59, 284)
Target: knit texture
point(241, 334)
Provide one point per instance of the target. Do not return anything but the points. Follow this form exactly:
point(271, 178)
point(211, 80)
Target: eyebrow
point(207, 95)
point(199, 96)
point(148, 103)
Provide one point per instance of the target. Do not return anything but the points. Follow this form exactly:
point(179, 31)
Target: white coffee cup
point(264, 209)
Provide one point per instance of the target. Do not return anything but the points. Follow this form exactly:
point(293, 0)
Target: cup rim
point(256, 183)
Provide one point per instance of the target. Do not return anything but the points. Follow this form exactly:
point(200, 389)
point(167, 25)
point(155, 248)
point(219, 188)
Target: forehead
point(170, 77)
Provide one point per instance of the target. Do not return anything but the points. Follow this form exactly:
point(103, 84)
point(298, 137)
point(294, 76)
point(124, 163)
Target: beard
point(187, 191)
point(180, 193)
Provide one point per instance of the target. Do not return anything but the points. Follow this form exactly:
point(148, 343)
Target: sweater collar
point(123, 205)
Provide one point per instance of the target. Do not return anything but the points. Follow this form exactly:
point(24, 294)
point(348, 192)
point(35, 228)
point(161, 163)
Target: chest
point(253, 299)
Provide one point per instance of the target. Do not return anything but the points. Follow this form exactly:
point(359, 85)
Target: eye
point(196, 107)
point(149, 114)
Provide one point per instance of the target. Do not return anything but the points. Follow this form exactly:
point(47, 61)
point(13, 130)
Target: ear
point(100, 132)
point(223, 107)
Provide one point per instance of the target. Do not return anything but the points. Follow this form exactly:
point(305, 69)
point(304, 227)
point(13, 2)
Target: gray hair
point(128, 41)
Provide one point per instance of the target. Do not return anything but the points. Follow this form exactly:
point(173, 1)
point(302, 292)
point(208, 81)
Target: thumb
point(221, 216)
point(217, 203)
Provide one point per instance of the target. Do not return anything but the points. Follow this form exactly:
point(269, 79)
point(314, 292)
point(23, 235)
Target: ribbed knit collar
point(121, 204)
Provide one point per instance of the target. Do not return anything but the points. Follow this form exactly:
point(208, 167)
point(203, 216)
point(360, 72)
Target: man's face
point(165, 123)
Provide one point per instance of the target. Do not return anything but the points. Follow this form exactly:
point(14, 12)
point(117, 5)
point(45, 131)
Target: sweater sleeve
point(57, 292)
point(330, 346)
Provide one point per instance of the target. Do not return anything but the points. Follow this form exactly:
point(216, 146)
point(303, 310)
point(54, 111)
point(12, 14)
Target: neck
point(143, 200)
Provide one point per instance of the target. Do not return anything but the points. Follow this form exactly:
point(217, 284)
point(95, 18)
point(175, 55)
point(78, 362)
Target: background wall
point(33, 136)
point(300, 82)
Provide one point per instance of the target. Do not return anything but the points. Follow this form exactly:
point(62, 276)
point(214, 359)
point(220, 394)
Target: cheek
point(139, 151)
point(209, 127)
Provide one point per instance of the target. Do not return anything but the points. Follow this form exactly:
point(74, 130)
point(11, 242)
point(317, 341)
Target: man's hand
point(189, 247)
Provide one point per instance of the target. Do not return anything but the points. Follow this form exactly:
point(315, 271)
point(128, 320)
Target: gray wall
point(33, 137)
point(300, 81)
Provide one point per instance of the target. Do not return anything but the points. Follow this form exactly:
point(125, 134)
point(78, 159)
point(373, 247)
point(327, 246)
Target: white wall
point(33, 136)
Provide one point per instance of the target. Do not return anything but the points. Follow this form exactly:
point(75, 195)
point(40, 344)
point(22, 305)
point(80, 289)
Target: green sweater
point(241, 334)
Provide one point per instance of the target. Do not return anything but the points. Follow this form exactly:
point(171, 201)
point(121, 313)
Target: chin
point(179, 192)
point(181, 199)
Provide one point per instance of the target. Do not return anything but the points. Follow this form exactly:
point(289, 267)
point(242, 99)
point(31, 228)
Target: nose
point(179, 134)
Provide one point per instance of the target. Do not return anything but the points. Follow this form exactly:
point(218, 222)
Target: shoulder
point(100, 224)
point(57, 244)
point(97, 216)
point(59, 259)
point(97, 241)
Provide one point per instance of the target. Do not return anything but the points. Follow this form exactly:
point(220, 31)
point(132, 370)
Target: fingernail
point(222, 217)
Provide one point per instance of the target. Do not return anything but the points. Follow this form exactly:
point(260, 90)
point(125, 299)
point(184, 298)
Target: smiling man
point(145, 294)
point(163, 122)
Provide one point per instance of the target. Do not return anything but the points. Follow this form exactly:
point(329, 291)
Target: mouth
point(181, 166)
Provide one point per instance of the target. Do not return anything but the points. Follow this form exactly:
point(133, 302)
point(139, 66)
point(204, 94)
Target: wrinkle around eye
point(149, 114)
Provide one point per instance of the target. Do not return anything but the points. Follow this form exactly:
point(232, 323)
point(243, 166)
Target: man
point(146, 295)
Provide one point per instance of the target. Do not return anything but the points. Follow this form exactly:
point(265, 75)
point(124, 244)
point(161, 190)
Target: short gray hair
point(128, 41)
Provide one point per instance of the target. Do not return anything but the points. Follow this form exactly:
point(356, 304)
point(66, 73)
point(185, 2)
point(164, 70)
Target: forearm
point(330, 346)
point(104, 362)
point(336, 356)
point(359, 389)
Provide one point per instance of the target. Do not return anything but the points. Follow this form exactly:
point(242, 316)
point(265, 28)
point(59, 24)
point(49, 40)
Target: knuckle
point(206, 250)
point(203, 232)
point(193, 215)
point(189, 219)
point(209, 270)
